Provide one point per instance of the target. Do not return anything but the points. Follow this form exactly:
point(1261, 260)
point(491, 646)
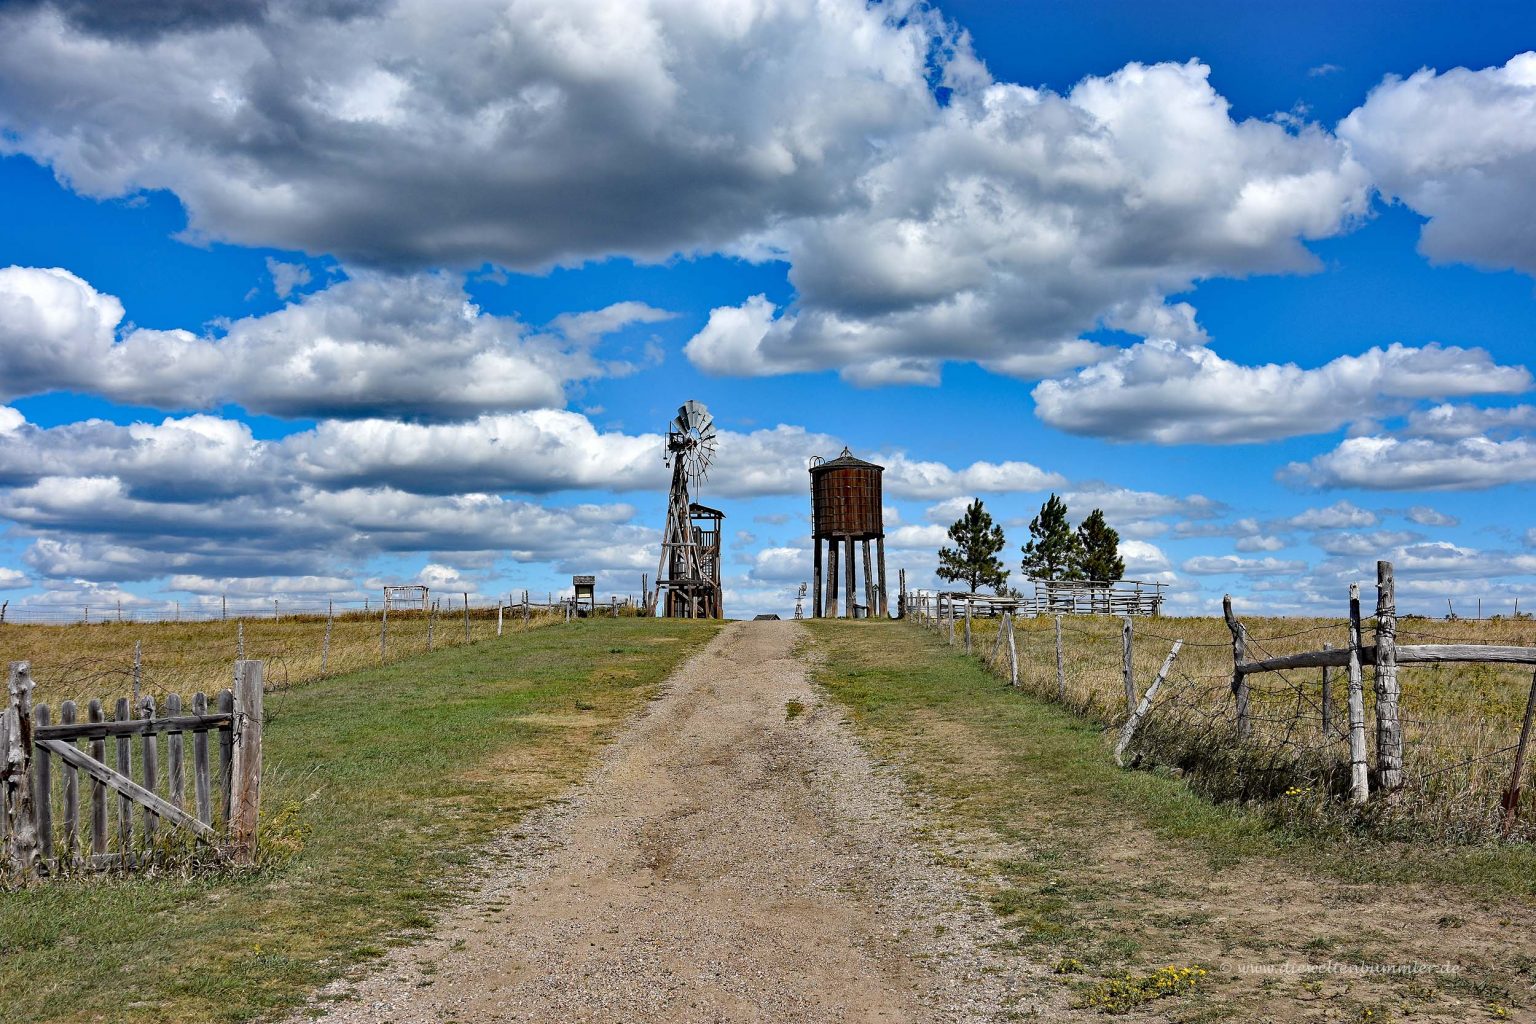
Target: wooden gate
point(41, 763)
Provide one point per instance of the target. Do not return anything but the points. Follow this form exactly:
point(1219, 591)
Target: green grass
point(897, 679)
point(386, 782)
point(1107, 870)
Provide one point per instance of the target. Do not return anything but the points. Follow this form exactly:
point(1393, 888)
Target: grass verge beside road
point(1100, 872)
point(380, 786)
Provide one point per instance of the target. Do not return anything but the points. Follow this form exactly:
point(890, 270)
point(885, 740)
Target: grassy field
point(1103, 873)
point(78, 662)
point(379, 787)
point(1460, 721)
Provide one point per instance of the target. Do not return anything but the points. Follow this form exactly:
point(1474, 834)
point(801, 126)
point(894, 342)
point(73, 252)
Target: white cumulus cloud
point(1168, 393)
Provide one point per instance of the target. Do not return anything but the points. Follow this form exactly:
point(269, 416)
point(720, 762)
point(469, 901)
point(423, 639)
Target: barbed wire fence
point(1296, 740)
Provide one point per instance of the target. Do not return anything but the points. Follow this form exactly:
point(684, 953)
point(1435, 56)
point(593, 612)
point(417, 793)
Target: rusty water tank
point(847, 499)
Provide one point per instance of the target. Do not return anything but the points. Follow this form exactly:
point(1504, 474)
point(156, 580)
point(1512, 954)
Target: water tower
point(846, 496)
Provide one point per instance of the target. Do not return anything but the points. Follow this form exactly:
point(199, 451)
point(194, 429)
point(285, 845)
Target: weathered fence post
point(967, 627)
point(71, 847)
point(1061, 665)
point(42, 793)
point(138, 671)
point(245, 796)
point(239, 639)
point(1239, 655)
point(1013, 656)
point(1126, 633)
point(1327, 726)
point(325, 644)
point(124, 767)
point(466, 617)
point(1359, 777)
point(499, 609)
point(149, 746)
point(951, 604)
point(384, 632)
point(16, 793)
point(98, 751)
point(1128, 731)
point(431, 617)
point(1389, 730)
point(1511, 795)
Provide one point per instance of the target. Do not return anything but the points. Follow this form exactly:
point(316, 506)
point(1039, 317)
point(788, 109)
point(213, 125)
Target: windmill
point(688, 578)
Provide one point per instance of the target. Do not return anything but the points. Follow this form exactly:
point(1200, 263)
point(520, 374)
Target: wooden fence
point(41, 830)
point(1385, 655)
point(1048, 597)
point(1226, 720)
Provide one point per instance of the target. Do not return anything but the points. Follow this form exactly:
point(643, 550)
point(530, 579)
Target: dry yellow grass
point(1460, 721)
point(80, 662)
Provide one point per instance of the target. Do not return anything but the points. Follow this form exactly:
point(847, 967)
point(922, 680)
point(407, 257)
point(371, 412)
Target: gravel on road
point(736, 856)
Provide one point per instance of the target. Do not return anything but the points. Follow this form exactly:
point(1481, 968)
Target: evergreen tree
point(973, 559)
point(1053, 551)
point(1100, 549)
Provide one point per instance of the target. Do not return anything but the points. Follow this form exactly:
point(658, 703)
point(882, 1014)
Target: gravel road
point(726, 862)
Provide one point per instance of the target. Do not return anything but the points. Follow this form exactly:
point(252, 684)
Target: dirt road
point(736, 858)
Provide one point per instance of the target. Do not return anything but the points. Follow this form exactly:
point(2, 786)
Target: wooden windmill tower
point(688, 578)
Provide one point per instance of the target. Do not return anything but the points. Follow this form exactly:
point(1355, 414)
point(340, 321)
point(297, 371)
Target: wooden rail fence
point(41, 830)
point(1385, 655)
point(950, 615)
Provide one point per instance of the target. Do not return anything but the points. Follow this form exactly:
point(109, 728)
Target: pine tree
point(1100, 546)
point(973, 559)
point(1053, 551)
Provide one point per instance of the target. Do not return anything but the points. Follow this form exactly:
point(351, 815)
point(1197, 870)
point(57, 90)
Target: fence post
point(1512, 795)
point(16, 795)
point(384, 633)
point(239, 639)
point(1061, 666)
point(1013, 656)
point(325, 645)
point(951, 605)
point(1239, 655)
point(967, 626)
point(1126, 634)
point(1327, 697)
point(499, 609)
point(1359, 777)
point(466, 617)
point(1128, 731)
point(431, 617)
point(138, 671)
point(1389, 730)
point(245, 797)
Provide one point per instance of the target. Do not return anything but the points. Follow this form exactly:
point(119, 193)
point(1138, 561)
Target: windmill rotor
point(691, 438)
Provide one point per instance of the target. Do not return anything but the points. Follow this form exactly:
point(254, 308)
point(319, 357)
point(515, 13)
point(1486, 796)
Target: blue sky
point(297, 299)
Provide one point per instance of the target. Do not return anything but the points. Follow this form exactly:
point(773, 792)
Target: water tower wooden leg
point(816, 578)
point(851, 572)
point(880, 566)
point(869, 579)
point(832, 550)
